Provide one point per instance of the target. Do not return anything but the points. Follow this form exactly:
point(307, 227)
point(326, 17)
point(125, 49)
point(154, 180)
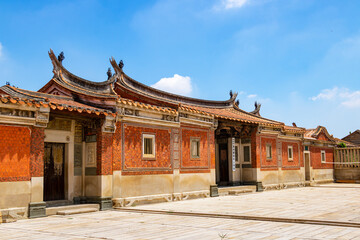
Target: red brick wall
point(315, 158)
point(268, 163)
point(104, 153)
point(212, 148)
point(133, 149)
point(37, 152)
point(186, 160)
point(14, 153)
point(117, 147)
point(296, 159)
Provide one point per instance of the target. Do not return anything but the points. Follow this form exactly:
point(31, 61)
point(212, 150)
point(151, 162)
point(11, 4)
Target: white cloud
point(176, 84)
point(344, 96)
point(252, 96)
point(228, 4)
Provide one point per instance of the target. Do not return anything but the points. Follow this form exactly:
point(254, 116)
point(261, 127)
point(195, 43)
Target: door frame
point(222, 169)
point(309, 165)
point(66, 137)
point(64, 171)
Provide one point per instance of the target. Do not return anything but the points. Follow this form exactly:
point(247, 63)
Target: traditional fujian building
point(120, 141)
point(319, 155)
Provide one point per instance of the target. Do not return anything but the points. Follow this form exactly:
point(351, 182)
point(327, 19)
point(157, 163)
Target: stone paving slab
point(115, 224)
point(122, 225)
point(330, 202)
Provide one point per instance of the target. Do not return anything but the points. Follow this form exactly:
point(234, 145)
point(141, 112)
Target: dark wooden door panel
point(224, 163)
point(54, 168)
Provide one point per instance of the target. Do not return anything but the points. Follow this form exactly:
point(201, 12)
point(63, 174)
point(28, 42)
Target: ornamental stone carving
point(109, 124)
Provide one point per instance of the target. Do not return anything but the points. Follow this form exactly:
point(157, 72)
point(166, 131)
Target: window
point(246, 152)
point(148, 146)
point(268, 151)
point(195, 147)
point(323, 156)
point(290, 153)
point(306, 148)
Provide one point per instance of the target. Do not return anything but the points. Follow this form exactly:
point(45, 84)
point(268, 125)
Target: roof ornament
point(121, 64)
point(109, 73)
point(8, 83)
point(231, 94)
point(237, 103)
point(294, 124)
point(61, 57)
point(257, 109)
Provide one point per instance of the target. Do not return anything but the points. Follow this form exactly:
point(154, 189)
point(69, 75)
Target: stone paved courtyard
point(336, 202)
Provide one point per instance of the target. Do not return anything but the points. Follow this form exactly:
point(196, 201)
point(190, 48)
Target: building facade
point(120, 141)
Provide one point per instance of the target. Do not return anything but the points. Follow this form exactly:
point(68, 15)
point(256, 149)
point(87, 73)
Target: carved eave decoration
point(23, 112)
point(234, 129)
point(194, 118)
point(132, 111)
point(282, 132)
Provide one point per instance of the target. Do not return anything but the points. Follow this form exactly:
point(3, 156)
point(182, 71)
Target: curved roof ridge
point(128, 82)
point(175, 97)
point(21, 93)
point(105, 86)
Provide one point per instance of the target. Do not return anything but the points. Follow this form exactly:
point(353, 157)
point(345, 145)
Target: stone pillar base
point(104, 202)
point(259, 187)
point(37, 209)
point(214, 191)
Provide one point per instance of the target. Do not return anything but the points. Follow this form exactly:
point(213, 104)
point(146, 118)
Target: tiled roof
point(294, 129)
point(313, 133)
point(20, 96)
point(231, 113)
point(309, 133)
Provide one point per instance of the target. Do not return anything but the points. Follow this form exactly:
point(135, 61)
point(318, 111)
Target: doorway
point(54, 171)
point(224, 163)
point(307, 166)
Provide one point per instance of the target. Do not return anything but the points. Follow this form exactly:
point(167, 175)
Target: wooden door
point(307, 167)
point(54, 168)
point(224, 163)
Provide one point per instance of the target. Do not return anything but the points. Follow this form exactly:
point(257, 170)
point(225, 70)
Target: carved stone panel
point(90, 154)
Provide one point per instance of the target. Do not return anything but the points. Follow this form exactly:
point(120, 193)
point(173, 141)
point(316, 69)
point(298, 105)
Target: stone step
point(77, 211)
point(58, 203)
point(234, 190)
point(239, 191)
point(54, 210)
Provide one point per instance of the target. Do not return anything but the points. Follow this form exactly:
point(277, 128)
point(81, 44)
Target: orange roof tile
point(232, 113)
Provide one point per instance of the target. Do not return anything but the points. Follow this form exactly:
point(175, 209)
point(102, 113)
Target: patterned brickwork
point(212, 148)
point(286, 163)
point(104, 153)
point(315, 158)
point(117, 148)
point(268, 163)
point(186, 160)
point(133, 161)
point(14, 153)
point(37, 152)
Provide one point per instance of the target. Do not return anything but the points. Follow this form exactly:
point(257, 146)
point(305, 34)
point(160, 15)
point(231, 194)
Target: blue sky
point(299, 58)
